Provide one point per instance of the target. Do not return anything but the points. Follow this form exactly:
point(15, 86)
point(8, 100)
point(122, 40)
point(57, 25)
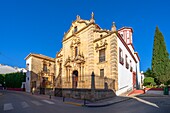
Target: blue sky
point(38, 26)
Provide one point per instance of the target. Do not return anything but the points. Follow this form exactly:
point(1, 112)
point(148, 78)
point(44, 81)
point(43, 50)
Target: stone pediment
point(59, 54)
point(79, 59)
point(102, 44)
point(76, 26)
point(68, 62)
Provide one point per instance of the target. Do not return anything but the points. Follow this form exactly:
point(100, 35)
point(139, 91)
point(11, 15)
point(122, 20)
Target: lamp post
point(4, 85)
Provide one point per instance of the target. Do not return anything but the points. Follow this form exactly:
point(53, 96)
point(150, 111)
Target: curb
point(72, 103)
point(152, 95)
point(108, 104)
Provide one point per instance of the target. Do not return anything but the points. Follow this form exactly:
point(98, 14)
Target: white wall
point(138, 72)
point(28, 75)
point(125, 76)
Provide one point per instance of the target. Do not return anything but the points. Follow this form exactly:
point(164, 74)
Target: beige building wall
point(37, 74)
point(83, 46)
point(89, 38)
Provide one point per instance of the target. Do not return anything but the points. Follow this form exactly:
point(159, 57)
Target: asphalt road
point(20, 102)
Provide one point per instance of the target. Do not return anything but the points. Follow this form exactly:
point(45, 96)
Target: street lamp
point(4, 86)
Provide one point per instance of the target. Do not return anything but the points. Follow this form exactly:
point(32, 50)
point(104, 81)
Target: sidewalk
point(152, 95)
point(109, 101)
point(78, 102)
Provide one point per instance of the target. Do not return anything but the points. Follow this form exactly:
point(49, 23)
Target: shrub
point(149, 81)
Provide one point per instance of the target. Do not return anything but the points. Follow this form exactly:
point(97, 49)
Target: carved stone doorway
point(75, 79)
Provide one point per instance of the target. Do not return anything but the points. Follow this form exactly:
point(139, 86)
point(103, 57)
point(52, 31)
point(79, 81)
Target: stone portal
point(75, 79)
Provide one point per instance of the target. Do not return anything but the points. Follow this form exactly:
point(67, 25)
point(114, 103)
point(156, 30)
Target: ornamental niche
point(101, 45)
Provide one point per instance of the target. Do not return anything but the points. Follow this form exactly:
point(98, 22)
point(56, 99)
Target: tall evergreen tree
point(160, 57)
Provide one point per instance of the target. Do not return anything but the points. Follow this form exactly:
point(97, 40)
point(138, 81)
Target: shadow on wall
point(38, 82)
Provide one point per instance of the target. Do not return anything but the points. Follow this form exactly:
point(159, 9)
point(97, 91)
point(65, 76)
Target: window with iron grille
point(101, 72)
point(131, 66)
point(102, 55)
point(127, 64)
point(45, 67)
point(121, 59)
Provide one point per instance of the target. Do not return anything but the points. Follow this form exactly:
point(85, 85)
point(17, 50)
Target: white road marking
point(36, 103)
point(24, 105)
point(49, 102)
point(8, 106)
point(146, 102)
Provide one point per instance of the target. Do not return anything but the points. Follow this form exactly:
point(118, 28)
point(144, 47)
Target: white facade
point(129, 76)
point(28, 75)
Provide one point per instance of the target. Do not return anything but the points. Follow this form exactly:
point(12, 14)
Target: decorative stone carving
point(75, 42)
point(101, 45)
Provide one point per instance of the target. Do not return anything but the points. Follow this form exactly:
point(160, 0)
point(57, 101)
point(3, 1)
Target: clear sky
point(37, 26)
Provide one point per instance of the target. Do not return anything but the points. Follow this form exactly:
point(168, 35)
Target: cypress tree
point(160, 57)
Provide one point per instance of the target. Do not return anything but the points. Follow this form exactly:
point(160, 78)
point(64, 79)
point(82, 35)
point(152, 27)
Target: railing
point(85, 82)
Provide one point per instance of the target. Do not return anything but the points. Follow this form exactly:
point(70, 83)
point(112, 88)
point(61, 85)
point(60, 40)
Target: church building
point(87, 48)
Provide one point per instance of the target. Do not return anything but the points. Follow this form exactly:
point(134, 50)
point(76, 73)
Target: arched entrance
point(75, 79)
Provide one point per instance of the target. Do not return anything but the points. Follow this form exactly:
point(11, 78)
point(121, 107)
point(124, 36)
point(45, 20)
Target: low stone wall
point(88, 94)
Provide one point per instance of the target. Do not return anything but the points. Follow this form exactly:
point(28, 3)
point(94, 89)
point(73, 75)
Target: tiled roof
point(40, 56)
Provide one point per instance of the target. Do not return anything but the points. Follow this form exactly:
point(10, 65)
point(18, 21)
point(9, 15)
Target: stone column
point(69, 74)
point(92, 81)
point(66, 74)
point(81, 72)
point(93, 87)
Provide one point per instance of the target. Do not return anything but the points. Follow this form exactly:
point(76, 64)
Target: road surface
point(21, 102)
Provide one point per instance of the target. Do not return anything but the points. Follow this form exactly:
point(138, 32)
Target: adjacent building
point(87, 48)
point(40, 71)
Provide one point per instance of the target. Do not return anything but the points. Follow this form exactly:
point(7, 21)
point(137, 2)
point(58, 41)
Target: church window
point(76, 51)
point(101, 72)
point(75, 29)
point(102, 55)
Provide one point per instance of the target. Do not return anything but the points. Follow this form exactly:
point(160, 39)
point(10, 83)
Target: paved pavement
point(21, 102)
point(78, 102)
point(109, 101)
point(100, 103)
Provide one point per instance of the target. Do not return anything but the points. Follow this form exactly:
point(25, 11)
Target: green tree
point(166, 78)
point(2, 79)
point(160, 57)
point(149, 81)
point(148, 73)
point(14, 80)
